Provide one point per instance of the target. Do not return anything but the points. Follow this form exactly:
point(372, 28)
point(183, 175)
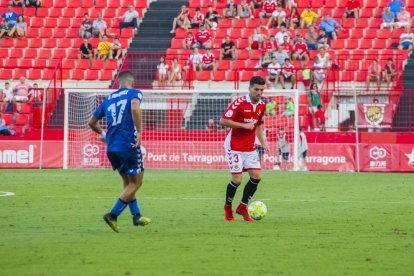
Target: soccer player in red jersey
point(245, 119)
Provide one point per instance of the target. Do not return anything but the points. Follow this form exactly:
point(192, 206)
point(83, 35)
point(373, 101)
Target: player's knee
point(255, 180)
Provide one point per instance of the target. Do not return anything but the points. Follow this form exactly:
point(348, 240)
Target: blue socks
point(133, 207)
point(119, 207)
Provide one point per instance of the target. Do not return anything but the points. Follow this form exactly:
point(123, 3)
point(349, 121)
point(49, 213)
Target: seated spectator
point(265, 60)
point(271, 107)
point(294, 19)
point(202, 38)
point(288, 74)
point(34, 3)
point(195, 60)
point(19, 3)
point(387, 19)
point(8, 96)
point(116, 52)
point(103, 48)
point(374, 73)
point(395, 6)
point(268, 7)
point(256, 3)
point(286, 46)
point(403, 19)
point(130, 19)
point(189, 41)
point(406, 40)
point(198, 19)
point(245, 10)
point(182, 20)
point(308, 17)
point(277, 19)
point(281, 35)
point(35, 94)
point(212, 17)
point(85, 29)
point(295, 38)
point(314, 100)
point(4, 29)
point(320, 118)
point(228, 50)
point(390, 71)
point(256, 40)
point(162, 69)
point(175, 74)
point(10, 15)
point(4, 129)
point(352, 9)
point(211, 125)
point(20, 29)
point(269, 45)
point(330, 26)
point(208, 61)
point(85, 50)
point(290, 108)
point(280, 55)
point(324, 57)
point(99, 26)
point(312, 38)
point(300, 51)
point(274, 70)
point(323, 39)
point(22, 91)
point(318, 70)
point(231, 10)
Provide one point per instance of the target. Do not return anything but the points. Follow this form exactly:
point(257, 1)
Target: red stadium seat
point(30, 53)
point(37, 22)
point(60, 32)
point(97, 65)
point(376, 23)
point(36, 43)
point(246, 75)
point(48, 74)
point(362, 23)
point(7, 43)
point(45, 53)
point(78, 74)
point(371, 4)
point(22, 120)
point(75, 3)
point(176, 43)
point(68, 64)
point(41, 12)
point(40, 63)
point(352, 44)
point(358, 54)
point(239, 23)
point(385, 33)
point(251, 64)
point(55, 12)
point(73, 53)
point(26, 63)
point(92, 75)
point(221, 33)
point(372, 54)
point(219, 76)
point(224, 65)
point(366, 13)
point(21, 43)
point(253, 23)
point(226, 23)
point(106, 75)
point(32, 33)
point(370, 33)
point(59, 53)
point(50, 43)
point(111, 64)
point(338, 44)
point(87, 3)
point(204, 75)
point(8, 118)
point(16, 53)
point(50, 23)
point(256, 54)
point(65, 43)
point(380, 44)
point(348, 23)
point(243, 54)
point(239, 64)
point(69, 12)
point(101, 3)
point(73, 33)
point(11, 63)
point(35, 74)
point(46, 33)
point(6, 74)
point(366, 44)
point(357, 33)
point(26, 108)
point(18, 73)
point(83, 64)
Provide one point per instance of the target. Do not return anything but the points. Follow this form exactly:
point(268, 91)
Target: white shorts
point(8, 99)
point(21, 98)
point(402, 24)
point(387, 25)
point(242, 161)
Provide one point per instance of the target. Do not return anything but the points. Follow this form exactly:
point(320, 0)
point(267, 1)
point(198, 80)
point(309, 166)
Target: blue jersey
point(11, 17)
point(121, 128)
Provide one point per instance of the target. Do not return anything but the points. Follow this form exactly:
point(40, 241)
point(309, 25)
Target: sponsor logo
point(326, 160)
point(89, 152)
point(377, 153)
point(374, 114)
point(410, 157)
point(229, 113)
point(250, 120)
point(17, 156)
point(236, 167)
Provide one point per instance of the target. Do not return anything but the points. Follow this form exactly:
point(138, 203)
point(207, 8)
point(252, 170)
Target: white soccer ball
point(257, 210)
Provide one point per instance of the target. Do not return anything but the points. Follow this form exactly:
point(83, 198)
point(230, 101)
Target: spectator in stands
point(115, 51)
point(10, 15)
point(256, 40)
point(202, 38)
point(8, 96)
point(19, 3)
point(182, 20)
point(20, 29)
point(312, 38)
point(330, 26)
point(406, 40)
point(403, 19)
point(318, 70)
point(314, 99)
point(228, 50)
point(175, 74)
point(212, 17)
point(4, 130)
point(265, 59)
point(308, 17)
point(387, 19)
point(271, 107)
point(300, 51)
point(130, 19)
point(195, 61)
point(35, 94)
point(352, 9)
point(278, 18)
point(294, 19)
point(323, 39)
point(286, 46)
point(162, 68)
point(390, 71)
point(269, 45)
point(280, 55)
point(4, 29)
point(103, 48)
point(34, 3)
point(295, 38)
point(288, 74)
point(211, 125)
point(189, 41)
point(374, 73)
point(273, 69)
point(85, 29)
point(245, 10)
point(198, 19)
point(99, 26)
point(22, 91)
point(85, 51)
point(290, 108)
point(320, 118)
point(231, 10)
point(280, 36)
point(268, 7)
point(324, 57)
point(208, 61)
point(395, 6)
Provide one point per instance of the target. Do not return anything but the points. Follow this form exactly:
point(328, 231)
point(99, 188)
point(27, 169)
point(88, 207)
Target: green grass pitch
point(317, 224)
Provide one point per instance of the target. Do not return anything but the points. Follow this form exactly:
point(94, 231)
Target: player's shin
point(119, 207)
point(134, 208)
point(231, 192)
point(249, 190)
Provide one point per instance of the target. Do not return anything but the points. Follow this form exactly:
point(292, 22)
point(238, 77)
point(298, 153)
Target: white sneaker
point(172, 32)
point(237, 17)
point(276, 168)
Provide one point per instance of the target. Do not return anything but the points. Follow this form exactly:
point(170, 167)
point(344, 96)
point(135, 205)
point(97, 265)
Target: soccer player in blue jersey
point(123, 138)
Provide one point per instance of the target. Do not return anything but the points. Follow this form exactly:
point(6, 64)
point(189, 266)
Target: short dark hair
point(286, 59)
point(319, 106)
point(7, 82)
point(197, 9)
point(257, 80)
point(125, 78)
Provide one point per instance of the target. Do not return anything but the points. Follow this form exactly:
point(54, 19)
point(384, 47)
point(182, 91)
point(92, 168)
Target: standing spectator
point(208, 61)
point(182, 20)
point(280, 36)
point(312, 38)
point(195, 60)
point(198, 19)
point(280, 55)
point(10, 15)
point(20, 29)
point(268, 7)
point(278, 18)
point(85, 51)
point(202, 38)
point(4, 29)
point(288, 74)
point(406, 40)
point(283, 148)
point(162, 69)
point(374, 73)
point(274, 70)
point(308, 17)
point(19, 3)
point(395, 6)
point(228, 50)
point(35, 94)
point(116, 52)
point(320, 118)
point(34, 3)
point(211, 125)
point(390, 71)
point(256, 40)
point(245, 10)
point(271, 107)
point(300, 51)
point(189, 41)
point(314, 99)
point(103, 48)
point(294, 19)
point(130, 19)
point(85, 29)
point(175, 74)
point(403, 19)
point(231, 10)
point(329, 25)
point(212, 17)
point(318, 70)
point(323, 39)
point(286, 46)
point(22, 91)
point(324, 57)
point(290, 108)
point(99, 26)
point(303, 150)
point(8, 96)
point(352, 9)
point(387, 19)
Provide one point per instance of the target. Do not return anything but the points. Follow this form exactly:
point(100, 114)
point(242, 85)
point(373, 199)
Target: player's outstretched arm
point(136, 117)
point(233, 124)
point(263, 142)
point(94, 125)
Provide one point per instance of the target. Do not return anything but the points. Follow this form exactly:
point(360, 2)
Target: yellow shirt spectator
point(103, 47)
point(308, 16)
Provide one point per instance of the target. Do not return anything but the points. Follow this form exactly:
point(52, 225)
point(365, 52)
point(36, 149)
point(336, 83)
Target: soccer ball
point(257, 210)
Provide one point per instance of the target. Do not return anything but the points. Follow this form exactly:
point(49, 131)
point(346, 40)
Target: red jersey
point(269, 46)
point(300, 48)
point(243, 111)
point(320, 115)
point(198, 18)
point(269, 6)
point(287, 48)
point(189, 40)
point(350, 5)
point(184, 13)
point(208, 59)
point(288, 70)
point(202, 37)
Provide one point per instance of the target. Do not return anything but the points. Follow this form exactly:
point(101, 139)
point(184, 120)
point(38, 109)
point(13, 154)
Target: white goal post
point(180, 128)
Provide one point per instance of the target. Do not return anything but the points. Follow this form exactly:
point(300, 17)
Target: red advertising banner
point(406, 155)
point(331, 157)
point(374, 115)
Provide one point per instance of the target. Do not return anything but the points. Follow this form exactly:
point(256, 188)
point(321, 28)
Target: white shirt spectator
point(407, 37)
point(129, 16)
point(279, 37)
point(279, 13)
point(274, 69)
point(162, 68)
point(196, 59)
point(99, 24)
point(8, 93)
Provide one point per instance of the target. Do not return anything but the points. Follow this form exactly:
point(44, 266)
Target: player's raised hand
point(248, 126)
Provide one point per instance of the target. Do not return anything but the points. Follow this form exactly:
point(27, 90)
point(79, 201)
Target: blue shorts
point(406, 44)
point(128, 162)
point(330, 34)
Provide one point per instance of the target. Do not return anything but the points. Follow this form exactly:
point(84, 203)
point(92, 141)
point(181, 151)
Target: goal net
point(180, 128)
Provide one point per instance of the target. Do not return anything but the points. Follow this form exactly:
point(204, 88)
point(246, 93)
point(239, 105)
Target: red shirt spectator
point(353, 4)
point(300, 48)
point(320, 115)
point(269, 46)
point(269, 6)
point(287, 47)
point(208, 58)
point(202, 36)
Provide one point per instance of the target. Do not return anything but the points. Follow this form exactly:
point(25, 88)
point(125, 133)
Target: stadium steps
point(56, 119)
